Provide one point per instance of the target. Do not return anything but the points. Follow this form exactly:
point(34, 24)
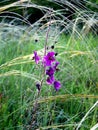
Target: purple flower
point(50, 71)
point(57, 85)
point(49, 59)
point(36, 57)
point(50, 80)
point(55, 65)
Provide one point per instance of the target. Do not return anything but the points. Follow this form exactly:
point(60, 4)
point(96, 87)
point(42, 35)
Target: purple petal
point(51, 54)
point(56, 64)
point(36, 57)
point(57, 85)
point(49, 58)
point(50, 80)
point(50, 71)
point(35, 53)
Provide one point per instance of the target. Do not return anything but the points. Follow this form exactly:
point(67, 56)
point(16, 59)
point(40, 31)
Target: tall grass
point(75, 104)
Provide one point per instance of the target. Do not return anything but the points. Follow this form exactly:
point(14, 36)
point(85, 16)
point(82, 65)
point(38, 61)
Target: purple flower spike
point(57, 85)
point(50, 80)
point(49, 58)
point(36, 57)
point(50, 71)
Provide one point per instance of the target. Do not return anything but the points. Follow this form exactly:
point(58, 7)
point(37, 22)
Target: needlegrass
point(57, 110)
point(75, 41)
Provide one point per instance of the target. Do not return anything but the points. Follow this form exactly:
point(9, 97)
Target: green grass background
point(78, 74)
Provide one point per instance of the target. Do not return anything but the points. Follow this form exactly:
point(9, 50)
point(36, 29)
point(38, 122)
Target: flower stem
point(47, 34)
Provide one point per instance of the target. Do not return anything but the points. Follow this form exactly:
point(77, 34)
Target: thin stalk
point(41, 83)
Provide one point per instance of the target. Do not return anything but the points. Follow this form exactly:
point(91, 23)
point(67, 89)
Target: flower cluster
point(50, 65)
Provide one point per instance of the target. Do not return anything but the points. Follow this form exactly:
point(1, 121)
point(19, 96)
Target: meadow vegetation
point(75, 105)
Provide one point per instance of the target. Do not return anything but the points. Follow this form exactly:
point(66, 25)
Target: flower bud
point(52, 47)
point(36, 40)
point(38, 86)
point(56, 54)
